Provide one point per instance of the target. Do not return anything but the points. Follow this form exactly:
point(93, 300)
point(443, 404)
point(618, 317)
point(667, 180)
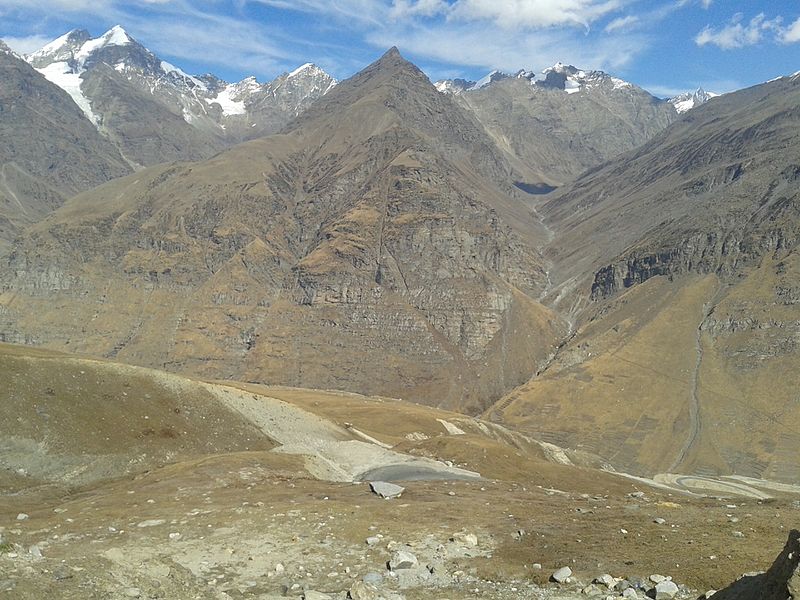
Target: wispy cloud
point(738, 33)
point(622, 23)
point(512, 14)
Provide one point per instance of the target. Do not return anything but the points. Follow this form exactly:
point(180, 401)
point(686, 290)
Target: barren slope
point(216, 509)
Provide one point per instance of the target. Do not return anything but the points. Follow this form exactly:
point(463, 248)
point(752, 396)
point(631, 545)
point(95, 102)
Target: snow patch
point(230, 107)
point(53, 46)
point(572, 86)
point(170, 68)
point(62, 75)
point(116, 36)
point(300, 69)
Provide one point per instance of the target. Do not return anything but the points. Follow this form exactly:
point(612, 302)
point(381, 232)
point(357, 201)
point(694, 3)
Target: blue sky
point(666, 46)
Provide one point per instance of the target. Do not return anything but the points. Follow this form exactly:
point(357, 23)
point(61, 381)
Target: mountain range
point(561, 252)
point(155, 112)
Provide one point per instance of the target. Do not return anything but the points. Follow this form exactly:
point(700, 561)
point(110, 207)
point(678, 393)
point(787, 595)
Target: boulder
point(386, 490)
point(402, 559)
point(666, 590)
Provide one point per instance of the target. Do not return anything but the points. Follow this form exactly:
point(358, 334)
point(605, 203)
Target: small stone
point(630, 593)
point(738, 534)
point(636, 495)
point(657, 578)
point(590, 590)
point(174, 536)
point(536, 566)
point(666, 590)
point(373, 578)
point(22, 517)
point(279, 568)
point(315, 595)
point(659, 521)
point(402, 559)
point(151, 523)
point(465, 539)
point(561, 575)
point(133, 592)
point(35, 551)
point(364, 591)
point(606, 580)
point(386, 490)
point(373, 540)
point(709, 593)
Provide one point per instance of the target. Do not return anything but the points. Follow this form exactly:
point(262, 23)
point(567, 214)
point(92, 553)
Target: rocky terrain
point(148, 500)
point(154, 112)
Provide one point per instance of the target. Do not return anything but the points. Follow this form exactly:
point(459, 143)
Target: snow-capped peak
point(488, 79)
point(300, 69)
point(690, 100)
point(116, 36)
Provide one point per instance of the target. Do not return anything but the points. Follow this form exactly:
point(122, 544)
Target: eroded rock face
point(780, 582)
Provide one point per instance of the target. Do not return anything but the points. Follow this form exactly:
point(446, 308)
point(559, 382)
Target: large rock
point(386, 490)
point(402, 559)
point(780, 582)
point(666, 590)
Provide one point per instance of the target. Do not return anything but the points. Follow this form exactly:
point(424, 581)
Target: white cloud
point(791, 34)
point(27, 44)
point(737, 33)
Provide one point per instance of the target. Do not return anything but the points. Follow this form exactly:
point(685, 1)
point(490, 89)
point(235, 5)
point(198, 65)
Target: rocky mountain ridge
point(677, 263)
point(383, 220)
point(402, 227)
point(128, 93)
point(48, 150)
point(558, 123)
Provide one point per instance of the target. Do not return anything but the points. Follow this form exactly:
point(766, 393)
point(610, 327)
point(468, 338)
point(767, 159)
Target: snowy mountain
point(562, 120)
point(454, 86)
point(690, 100)
point(130, 94)
point(558, 77)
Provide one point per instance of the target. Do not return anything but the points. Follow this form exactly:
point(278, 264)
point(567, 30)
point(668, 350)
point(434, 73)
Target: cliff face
point(376, 245)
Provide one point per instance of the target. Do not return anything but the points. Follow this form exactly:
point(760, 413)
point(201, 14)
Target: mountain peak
point(117, 36)
point(690, 100)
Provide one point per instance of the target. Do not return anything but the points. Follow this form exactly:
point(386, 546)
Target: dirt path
point(695, 418)
point(331, 452)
